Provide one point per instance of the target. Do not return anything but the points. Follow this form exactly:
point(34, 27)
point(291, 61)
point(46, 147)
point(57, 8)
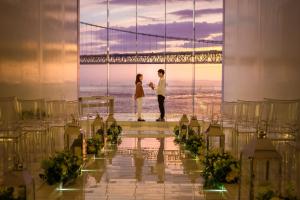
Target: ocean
point(179, 91)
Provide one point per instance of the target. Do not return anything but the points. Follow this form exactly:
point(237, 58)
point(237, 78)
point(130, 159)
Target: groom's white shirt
point(161, 87)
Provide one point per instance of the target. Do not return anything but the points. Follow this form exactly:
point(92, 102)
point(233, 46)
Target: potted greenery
point(113, 134)
point(220, 169)
point(100, 133)
point(63, 167)
point(8, 193)
point(95, 143)
point(181, 133)
point(176, 132)
point(266, 192)
point(195, 143)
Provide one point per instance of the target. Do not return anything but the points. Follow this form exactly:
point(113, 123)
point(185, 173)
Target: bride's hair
point(137, 79)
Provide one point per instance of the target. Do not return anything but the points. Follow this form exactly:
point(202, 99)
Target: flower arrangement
point(113, 134)
point(192, 141)
point(195, 143)
point(7, 193)
point(177, 136)
point(100, 132)
point(176, 131)
point(220, 168)
point(63, 167)
point(95, 143)
point(181, 133)
point(268, 193)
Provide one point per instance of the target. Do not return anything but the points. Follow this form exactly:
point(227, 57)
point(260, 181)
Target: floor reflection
point(143, 168)
point(139, 168)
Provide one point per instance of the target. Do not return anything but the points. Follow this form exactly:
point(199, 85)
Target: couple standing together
point(160, 90)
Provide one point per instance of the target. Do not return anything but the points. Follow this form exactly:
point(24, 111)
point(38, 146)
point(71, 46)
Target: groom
point(161, 93)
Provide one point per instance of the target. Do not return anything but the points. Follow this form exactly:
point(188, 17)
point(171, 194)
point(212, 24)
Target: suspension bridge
point(132, 47)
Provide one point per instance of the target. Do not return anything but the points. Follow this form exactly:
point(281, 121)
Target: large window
point(142, 35)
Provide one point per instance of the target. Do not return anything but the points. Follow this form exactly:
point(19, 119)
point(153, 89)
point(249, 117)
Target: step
point(148, 124)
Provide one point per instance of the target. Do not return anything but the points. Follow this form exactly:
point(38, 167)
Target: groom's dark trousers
point(161, 104)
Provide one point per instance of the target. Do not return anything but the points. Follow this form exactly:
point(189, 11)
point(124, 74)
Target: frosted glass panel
point(38, 49)
point(261, 49)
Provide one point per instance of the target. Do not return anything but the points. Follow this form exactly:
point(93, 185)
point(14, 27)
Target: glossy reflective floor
point(146, 165)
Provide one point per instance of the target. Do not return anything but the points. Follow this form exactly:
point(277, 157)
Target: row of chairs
point(275, 117)
point(14, 110)
point(209, 111)
point(31, 130)
point(279, 120)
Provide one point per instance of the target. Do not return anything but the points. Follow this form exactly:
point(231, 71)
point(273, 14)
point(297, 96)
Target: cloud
point(181, 29)
point(188, 13)
point(129, 2)
point(142, 2)
point(152, 19)
point(84, 4)
point(125, 42)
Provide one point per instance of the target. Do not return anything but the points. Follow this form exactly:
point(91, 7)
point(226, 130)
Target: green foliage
point(290, 193)
point(62, 167)
point(181, 138)
point(176, 130)
point(177, 136)
point(268, 193)
point(100, 132)
point(195, 143)
point(113, 134)
point(220, 168)
point(96, 143)
point(7, 193)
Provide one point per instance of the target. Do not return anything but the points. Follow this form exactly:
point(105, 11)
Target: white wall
point(262, 49)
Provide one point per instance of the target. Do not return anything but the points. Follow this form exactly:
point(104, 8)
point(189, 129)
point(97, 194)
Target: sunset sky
point(151, 20)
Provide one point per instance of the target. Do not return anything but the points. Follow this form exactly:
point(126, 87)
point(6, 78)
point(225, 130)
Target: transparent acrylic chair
point(34, 128)
point(9, 112)
point(57, 117)
point(56, 112)
point(8, 149)
point(290, 167)
point(283, 130)
point(247, 123)
point(248, 116)
point(209, 111)
point(32, 109)
point(282, 118)
point(202, 110)
point(72, 110)
point(8, 131)
point(227, 121)
point(228, 113)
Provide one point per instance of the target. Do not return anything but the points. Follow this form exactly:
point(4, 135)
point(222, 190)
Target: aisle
point(146, 165)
